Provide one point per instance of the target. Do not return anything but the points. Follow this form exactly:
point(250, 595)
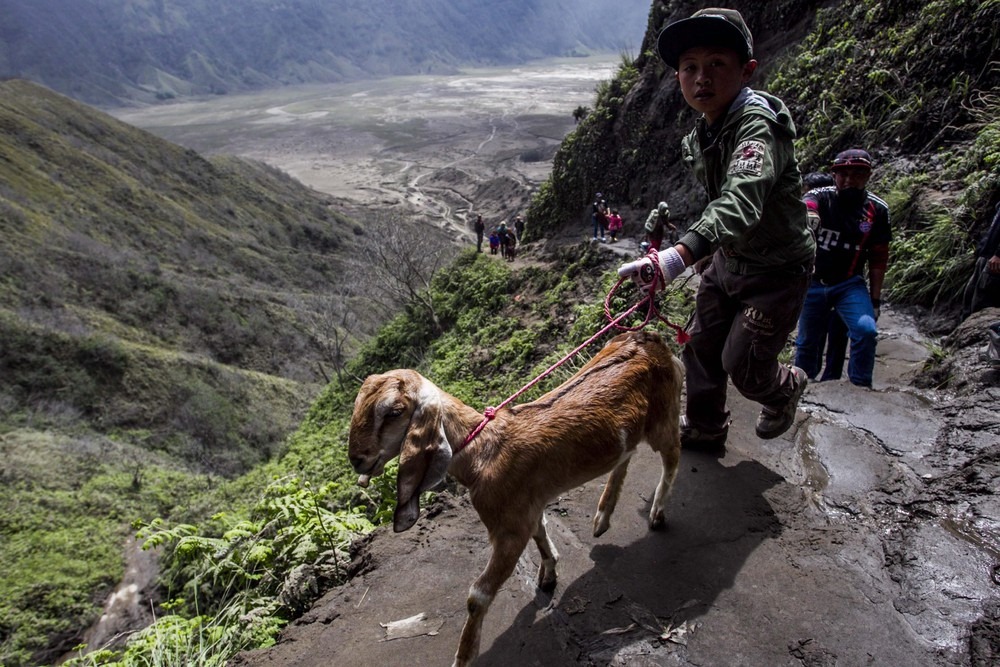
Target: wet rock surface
point(867, 535)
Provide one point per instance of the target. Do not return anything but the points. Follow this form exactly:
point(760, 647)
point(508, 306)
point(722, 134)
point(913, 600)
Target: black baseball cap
point(714, 26)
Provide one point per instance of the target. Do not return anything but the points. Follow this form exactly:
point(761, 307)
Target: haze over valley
point(425, 145)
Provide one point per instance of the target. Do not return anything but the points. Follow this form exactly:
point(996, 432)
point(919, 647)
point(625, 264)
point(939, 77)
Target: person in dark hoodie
point(754, 228)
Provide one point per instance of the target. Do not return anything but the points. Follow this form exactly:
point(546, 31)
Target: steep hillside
point(112, 51)
point(916, 84)
point(110, 229)
point(165, 320)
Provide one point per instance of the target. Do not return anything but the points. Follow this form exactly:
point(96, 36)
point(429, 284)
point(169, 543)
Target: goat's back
point(632, 368)
point(628, 393)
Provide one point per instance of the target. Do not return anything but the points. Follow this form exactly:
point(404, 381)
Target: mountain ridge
point(112, 52)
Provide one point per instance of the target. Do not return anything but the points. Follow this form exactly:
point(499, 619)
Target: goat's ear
point(423, 462)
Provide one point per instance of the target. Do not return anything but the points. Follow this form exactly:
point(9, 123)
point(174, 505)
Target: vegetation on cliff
point(915, 83)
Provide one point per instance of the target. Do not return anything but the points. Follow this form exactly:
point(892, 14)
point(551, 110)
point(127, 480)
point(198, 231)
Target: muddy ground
point(868, 535)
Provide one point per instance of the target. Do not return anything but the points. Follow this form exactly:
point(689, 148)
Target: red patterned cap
point(855, 157)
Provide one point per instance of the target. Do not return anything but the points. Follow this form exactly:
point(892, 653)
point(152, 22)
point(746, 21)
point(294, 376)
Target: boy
point(754, 228)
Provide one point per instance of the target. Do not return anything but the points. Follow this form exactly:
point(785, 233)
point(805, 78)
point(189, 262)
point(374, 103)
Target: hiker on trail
point(657, 224)
point(836, 332)
point(494, 241)
point(754, 229)
point(598, 215)
point(852, 230)
point(503, 232)
point(816, 179)
point(983, 288)
point(480, 227)
point(511, 251)
point(519, 227)
point(615, 224)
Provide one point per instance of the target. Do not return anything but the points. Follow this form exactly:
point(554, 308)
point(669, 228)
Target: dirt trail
point(849, 541)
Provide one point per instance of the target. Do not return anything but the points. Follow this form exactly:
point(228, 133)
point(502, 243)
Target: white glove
point(644, 271)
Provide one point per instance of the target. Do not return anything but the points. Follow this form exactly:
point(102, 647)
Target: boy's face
point(711, 77)
point(855, 178)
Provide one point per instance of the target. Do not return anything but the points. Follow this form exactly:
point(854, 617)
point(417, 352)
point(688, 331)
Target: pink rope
point(613, 323)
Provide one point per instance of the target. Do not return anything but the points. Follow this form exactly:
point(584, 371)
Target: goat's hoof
point(601, 525)
point(546, 579)
point(658, 522)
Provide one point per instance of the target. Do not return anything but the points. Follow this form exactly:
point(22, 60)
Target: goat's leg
point(507, 549)
point(670, 456)
point(547, 570)
point(609, 498)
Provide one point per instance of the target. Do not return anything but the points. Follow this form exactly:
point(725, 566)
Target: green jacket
point(756, 214)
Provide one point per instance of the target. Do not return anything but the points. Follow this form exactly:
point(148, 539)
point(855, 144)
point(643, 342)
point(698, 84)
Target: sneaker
point(774, 421)
point(695, 439)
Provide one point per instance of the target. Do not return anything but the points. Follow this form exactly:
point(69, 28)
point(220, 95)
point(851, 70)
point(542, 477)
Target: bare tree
point(397, 261)
point(333, 322)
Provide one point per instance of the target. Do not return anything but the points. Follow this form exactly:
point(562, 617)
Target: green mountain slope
point(159, 329)
point(110, 231)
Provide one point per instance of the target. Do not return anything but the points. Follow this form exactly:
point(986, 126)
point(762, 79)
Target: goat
point(591, 424)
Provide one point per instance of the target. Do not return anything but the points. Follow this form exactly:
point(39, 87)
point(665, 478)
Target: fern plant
point(236, 583)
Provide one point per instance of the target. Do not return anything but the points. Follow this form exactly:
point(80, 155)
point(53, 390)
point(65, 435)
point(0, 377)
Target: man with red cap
point(852, 232)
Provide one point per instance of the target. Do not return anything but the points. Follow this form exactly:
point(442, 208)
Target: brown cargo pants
point(741, 324)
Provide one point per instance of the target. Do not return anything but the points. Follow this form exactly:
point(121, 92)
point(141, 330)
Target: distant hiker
point(480, 227)
point(598, 215)
point(657, 224)
point(615, 224)
point(983, 288)
point(503, 233)
point(852, 230)
point(754, 228)
point(511, 246)
point(836, 333)
point(519, 227)
point(494, 241)
point(815, 179)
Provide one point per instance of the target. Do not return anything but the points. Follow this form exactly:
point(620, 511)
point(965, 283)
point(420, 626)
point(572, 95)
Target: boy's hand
point(653, 269)
point(642, 271)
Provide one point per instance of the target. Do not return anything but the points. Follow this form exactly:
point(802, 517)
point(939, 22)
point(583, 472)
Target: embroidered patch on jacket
point(748, 158)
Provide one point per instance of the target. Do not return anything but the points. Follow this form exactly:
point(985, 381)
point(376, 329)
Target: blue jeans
point(600, 224)
point(851, 301)
point(836, 348)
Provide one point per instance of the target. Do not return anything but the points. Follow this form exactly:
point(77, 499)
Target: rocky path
point(868, 535)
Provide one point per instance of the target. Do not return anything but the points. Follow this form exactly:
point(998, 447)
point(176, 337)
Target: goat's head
point(399, 413)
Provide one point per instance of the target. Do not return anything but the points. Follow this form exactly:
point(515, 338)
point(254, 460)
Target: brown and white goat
point(628, 393)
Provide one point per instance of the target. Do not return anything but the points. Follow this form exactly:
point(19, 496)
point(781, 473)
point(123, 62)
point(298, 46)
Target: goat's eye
point(395, 412)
